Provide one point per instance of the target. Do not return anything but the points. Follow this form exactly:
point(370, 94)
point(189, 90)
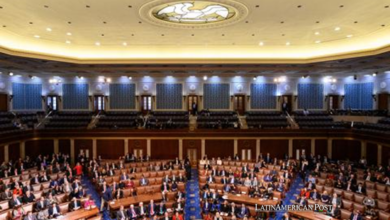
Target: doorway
point(146, 104)
point(138, 153)
point(239, 104)
point(246, 154)
point(333, 102)
point(286, 103)
point(99, 103)
point(192, 99)
point(192, 156)
point(52, 102)
point(3, 102)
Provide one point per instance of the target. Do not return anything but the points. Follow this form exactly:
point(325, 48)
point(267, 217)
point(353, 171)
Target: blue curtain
point(122, 96)
point(263, 96)
point(358, 96)
point(27, 96)
point(169, 96)
point(216, 96)
point(75, 96)
point(310, 96)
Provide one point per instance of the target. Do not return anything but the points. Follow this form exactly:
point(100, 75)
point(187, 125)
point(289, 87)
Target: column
point(56, 146)
point(379, 154)
point(149, 147)
point(6, 150)
point(22, 149)
point(313, 146)
point(330, 148)
point(257, 148)
point(180, 149)
point(290, 147)
point(364, 149)
point(235, 147)
point(72, 153)
point(94, 148)
point(126, 146)
point(203, 148)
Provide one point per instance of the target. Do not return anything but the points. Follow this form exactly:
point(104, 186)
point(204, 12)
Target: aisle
point(87, 184)
point(192, 208)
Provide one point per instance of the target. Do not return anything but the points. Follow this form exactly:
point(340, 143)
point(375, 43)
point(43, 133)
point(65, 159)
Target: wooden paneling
point(302, 144)
point(321, 147)
point(83, 144)
point(110, 149)
point(247, 144)
point(64, 146)
point(14, 151)
point(346, 149)
point(219, 148)
point(3, 102)
point(385, 155)
point(372, 153)
point(383, 101)
point(276, 148)
point(39, 147)
point(164, 149)
point(137, 144)
point(1, 154)
point(192, 144)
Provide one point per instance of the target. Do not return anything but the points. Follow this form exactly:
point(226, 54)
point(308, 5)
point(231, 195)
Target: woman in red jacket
point(79, 169)
point(177, 216)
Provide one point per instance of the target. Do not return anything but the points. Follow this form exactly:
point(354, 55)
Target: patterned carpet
point(192, 208)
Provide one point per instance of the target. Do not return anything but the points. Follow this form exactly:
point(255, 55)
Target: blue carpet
point(295, 188)
point(192, 207)
point(94, 195)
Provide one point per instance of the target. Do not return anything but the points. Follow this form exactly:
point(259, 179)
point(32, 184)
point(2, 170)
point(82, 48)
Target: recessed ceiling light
point(48, 29)
point(130, 77)
point(69, 34)
point(11, 73)
point(318, 41)
point(261, 43)
point(124, 43)
point(97, 43)
point(205, 78)
point(317, 33)
point(37, 36)
point(337, 28)
point(350, 35)
point(68, 42)
point(288, 43)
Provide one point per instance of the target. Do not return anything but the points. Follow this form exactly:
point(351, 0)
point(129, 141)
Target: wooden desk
point(80, 214)
point(134, 200)
point(311, 215)
point(250, 201)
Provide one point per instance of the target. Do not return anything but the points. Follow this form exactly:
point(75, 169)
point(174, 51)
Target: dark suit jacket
point(120, 215)
point(353, 215)
point(72, 206)
point(51, 210)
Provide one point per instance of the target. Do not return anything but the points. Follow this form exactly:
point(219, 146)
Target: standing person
point(188, 170)
point(194, 108)
point(79, 169)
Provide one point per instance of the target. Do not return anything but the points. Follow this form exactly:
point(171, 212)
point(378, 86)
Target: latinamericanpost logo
point(288, 208)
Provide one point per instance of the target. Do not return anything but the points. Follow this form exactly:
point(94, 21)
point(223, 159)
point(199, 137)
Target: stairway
point(94, 121)
point(193, 124)
point(292, 122)
point(242, 122)
point(44, 120)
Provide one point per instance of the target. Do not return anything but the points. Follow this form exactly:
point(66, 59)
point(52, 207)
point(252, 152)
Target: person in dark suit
point(206, 207)
point(194, 108)
point(15, 201)
point(6, 195)
point(355, 215)
point(54, 211)
point(74, 205)
point(30, 216)
point(314, 195)
point(360, 189)
point(161, 209)
point(301, 201)
point(334, 212)
point(41, 204)
point(243, 211)
point(28, 197)
point(132, 213)
point(233, 209)
point(151, 209)
point(286, 216)
point(121, 214)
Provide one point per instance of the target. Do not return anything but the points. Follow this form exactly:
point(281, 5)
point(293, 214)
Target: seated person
point(314, 195)
point(174, 187)
point(54, 211)
point(334, 212)
point(178, 206)
point(325, 197)
point(301, 201)
point(28, 197)
point(243, 211)
point(360, 189)
point(132, 213)
point(74, 205)
point(161, 209)
point(142, 210)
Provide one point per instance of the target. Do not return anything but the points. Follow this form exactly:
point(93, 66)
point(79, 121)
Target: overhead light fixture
point(204, 78)
point(124, 43)
point(48, 29)
point(261, 43)
point(68, 42)
point(11, 73)
point(97, 43)
point(80, 77)
point(318, 42)
point(350, 35)
point(337, 28)
point(130, 77)
point(374, 74)
point(108, 80)
point(317, 33)
point(69, 34)
point(288, 43)
point(37, 36)
point(254, 78)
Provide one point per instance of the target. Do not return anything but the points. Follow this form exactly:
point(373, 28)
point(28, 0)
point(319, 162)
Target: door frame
point(189, 103)
point(235, 103)
point(144, 112)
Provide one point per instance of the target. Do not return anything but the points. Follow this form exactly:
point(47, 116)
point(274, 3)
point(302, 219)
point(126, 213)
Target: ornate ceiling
point(248, 32)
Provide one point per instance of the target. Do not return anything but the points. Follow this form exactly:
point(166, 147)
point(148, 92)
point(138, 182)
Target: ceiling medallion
point(193, 14)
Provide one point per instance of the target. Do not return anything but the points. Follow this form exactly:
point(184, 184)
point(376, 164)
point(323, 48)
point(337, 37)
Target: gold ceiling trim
point(73, 60)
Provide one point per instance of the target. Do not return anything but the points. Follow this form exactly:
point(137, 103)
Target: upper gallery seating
point(317, 119)
point(357, 112)
point(119, 120)
point(7, 126)
point(383, 126)
point(67, 120)
point(162, 120)
point(266, 119)
point(224, 119)
point(29, 118)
